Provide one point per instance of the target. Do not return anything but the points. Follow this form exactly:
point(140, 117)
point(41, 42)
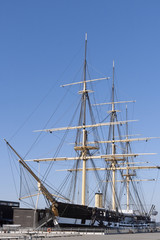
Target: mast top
point(86, 36)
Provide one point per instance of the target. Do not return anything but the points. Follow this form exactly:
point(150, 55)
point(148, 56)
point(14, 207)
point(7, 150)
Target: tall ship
point(99, 189)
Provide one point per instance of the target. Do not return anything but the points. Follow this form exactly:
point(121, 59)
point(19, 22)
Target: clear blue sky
point(39, 39)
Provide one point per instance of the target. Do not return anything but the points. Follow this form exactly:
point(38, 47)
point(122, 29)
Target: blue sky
point(42, 47)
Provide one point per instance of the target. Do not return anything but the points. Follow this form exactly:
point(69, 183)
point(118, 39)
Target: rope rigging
point(68, 187)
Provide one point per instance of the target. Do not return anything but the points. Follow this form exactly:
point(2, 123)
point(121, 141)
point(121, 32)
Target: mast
point(113, 148)
point(83, 144)
point(127, 172)
point(84, 129)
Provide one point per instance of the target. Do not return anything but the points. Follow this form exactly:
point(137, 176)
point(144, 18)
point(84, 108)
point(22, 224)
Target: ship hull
point(74, 215)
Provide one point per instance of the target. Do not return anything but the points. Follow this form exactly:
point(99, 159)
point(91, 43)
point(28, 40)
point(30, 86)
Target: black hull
point(74, 215)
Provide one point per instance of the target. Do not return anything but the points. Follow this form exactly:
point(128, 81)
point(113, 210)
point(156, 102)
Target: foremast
point(113, 115)
point(84, 148)
point(127, 171)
